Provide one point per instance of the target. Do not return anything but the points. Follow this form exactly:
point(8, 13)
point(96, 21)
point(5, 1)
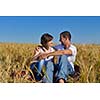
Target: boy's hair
point(66, 34)
point(46, 38)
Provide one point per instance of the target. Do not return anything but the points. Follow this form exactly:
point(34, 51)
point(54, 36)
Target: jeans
point(48, 74)
point(63, 68)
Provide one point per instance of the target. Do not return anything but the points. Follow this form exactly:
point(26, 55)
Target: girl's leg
point(36, 69)
point(39, 65)
point(48, 77)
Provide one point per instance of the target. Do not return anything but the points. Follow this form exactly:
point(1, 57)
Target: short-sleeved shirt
point(72, 57)
point(43, 50)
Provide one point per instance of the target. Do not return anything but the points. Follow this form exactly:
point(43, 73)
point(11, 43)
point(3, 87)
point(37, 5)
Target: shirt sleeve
point(52, 49)
point(59, 47)
point(74, 50)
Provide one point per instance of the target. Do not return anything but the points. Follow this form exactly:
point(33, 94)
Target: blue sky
point(28, 29)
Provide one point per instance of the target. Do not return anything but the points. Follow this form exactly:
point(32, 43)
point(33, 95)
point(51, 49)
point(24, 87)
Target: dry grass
point(15, 60)
point(88, 59)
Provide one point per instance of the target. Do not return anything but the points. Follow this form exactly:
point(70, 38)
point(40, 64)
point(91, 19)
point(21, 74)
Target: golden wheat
point(15, 60)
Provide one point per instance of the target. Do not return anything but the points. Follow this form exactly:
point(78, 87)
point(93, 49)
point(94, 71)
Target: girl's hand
point(42, 56)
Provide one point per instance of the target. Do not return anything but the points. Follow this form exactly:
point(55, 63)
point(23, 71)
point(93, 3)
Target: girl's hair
point(45, 38)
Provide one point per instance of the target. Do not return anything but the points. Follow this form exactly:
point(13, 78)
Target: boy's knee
point(64, 58)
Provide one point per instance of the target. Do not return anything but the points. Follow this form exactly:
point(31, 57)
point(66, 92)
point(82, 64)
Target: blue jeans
point(63, 68)
point(48, 75)
point(36, 69)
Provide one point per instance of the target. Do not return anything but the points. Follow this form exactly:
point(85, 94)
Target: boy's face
point(64, 41)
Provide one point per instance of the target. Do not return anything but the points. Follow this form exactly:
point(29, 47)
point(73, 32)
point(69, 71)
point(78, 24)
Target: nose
point(52, 43)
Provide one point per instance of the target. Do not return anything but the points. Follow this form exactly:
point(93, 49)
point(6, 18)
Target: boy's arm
point(60, 52)
point(56, 53)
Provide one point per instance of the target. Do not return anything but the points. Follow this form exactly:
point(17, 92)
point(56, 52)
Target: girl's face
point(50, 43)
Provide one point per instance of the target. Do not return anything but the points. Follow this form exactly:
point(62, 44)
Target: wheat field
point(15, 60)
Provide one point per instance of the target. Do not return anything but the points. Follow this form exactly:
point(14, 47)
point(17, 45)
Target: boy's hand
point(43, 56)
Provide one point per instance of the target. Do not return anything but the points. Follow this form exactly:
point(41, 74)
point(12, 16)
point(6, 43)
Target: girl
point(45, 47)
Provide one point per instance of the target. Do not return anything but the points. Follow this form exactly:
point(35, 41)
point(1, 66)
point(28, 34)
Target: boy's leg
point(63, 68)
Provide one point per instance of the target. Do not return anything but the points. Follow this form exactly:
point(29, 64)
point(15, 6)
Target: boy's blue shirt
point(59, 47)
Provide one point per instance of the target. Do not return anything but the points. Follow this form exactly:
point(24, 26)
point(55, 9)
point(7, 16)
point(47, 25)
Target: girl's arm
point(36, 53)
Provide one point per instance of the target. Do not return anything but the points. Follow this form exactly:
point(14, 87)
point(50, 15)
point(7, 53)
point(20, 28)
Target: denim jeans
point(36, 68)
point(48, 75)
point(63, 68)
